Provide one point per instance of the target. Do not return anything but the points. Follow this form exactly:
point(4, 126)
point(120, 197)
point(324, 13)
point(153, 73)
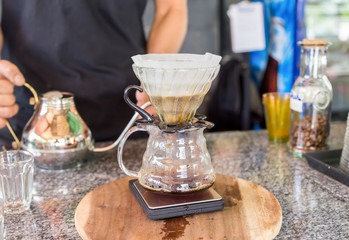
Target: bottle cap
point(315, 42)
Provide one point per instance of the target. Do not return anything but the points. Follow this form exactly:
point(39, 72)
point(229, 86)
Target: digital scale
point(166, 205)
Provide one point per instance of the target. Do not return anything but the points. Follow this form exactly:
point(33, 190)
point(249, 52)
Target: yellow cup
point(277, 115)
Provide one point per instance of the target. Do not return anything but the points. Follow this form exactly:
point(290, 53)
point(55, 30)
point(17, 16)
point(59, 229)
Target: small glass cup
point(277, 115)
point(16, 180)
point(2, 219)
point(344, 162)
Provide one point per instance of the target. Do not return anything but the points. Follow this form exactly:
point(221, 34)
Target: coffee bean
point(310, 132)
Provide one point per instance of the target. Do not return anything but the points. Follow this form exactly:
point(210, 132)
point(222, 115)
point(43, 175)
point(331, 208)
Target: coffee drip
point(176, 159)
point(176, 109)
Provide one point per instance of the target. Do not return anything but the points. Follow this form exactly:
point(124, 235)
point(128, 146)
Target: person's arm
point(167, 33)
point(169, 26)
point(9, 77)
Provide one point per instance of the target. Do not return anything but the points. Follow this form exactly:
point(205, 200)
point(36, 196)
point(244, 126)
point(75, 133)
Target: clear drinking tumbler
point(16, 180)
point(2, 219)
point(344, 162)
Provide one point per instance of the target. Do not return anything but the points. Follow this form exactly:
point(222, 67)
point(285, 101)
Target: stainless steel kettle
point(56, 134)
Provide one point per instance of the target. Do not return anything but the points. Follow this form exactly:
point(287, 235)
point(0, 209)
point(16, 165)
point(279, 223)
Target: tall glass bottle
point(311, 98)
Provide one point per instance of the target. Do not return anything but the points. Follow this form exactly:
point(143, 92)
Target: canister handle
point(321, 100)
point(17, 143)
point(121, 147)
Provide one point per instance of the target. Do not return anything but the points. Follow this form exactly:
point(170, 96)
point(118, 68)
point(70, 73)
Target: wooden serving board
point(112, 212)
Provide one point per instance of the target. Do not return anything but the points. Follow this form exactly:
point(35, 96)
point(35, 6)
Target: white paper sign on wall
point(247, 26)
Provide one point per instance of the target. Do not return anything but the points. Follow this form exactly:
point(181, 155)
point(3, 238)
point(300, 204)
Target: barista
point(82, 47)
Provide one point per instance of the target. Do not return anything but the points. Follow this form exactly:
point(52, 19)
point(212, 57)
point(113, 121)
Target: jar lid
point(314, 43)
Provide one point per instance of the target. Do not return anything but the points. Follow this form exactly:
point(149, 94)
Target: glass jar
point(311, 98)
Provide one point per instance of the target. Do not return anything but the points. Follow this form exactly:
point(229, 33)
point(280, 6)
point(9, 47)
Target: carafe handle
point(128, 126)
point(121, 147)
point(146, 117)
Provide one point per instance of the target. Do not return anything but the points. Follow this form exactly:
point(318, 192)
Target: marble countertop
point(314, 206)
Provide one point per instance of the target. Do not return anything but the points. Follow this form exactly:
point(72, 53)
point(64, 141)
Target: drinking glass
point(344, 162)
point(16, 180)
point(277, 115)
point(2, 219)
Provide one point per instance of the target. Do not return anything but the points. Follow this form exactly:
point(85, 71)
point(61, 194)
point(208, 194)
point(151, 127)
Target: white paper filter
point(176, 76)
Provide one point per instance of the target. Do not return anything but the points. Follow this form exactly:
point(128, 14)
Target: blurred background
point(209, 31)
point(329, 19)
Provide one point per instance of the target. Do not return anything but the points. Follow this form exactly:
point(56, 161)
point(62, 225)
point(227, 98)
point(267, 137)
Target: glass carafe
point(174, 161)
point(311, 98)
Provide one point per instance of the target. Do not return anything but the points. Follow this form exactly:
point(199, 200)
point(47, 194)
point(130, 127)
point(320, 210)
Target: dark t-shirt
point(78, 46)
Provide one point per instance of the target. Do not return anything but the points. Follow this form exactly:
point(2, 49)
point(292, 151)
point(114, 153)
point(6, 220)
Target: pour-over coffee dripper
point(176, 83)
point(176, 159)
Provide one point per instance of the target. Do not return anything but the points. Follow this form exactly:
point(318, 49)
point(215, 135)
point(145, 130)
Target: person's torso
point(78, 46)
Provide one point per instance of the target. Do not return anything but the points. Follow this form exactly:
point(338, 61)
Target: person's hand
point(142, 98)
point(10, 76)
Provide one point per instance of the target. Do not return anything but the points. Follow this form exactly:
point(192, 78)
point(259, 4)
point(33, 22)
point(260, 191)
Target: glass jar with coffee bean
point(311, 98)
